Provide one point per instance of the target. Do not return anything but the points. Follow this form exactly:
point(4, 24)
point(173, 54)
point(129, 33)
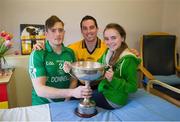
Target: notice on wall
point(31, 34)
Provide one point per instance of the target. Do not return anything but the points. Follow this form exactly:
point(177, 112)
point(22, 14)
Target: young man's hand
point(67, 67)
point(82, 92)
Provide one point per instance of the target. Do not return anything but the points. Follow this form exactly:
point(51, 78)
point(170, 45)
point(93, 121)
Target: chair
point(159, 65)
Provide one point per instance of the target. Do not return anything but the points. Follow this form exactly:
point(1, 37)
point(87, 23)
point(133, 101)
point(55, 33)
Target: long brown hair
point(123, 46)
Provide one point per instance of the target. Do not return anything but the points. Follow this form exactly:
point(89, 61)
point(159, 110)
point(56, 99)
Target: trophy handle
point(73, 75)
point(107, 67)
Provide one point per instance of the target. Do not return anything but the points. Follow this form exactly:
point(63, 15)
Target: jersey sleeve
point(37, 64)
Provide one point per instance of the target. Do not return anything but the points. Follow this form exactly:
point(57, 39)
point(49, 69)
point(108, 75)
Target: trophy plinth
point(87, 72)
point(86, 109)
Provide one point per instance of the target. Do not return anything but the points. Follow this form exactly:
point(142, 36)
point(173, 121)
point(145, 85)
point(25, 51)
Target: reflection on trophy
point(87, 72)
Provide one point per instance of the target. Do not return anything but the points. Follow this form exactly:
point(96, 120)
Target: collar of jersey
point(98, 44)
point(49, 48)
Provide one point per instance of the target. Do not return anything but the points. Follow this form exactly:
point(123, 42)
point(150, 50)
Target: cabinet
point(6, 86)
point(21, 88)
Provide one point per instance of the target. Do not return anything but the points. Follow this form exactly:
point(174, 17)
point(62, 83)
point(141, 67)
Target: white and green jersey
point(50, 64)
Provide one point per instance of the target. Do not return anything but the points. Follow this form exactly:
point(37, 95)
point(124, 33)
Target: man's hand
point(39, 46)
point(82, 92)
point(67, 67)
point(135, 52)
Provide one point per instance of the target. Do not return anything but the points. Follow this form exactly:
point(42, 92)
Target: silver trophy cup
point(87, 72)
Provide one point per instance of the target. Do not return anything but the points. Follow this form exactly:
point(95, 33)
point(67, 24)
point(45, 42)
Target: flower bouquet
point(5, 45)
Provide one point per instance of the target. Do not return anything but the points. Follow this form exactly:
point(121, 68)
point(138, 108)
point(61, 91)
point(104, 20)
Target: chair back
point(158, 51)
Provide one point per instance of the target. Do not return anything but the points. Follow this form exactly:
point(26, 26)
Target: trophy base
point(86, 109)
point(85, 115)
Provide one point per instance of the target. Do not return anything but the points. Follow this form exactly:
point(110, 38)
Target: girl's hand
point(109, 74)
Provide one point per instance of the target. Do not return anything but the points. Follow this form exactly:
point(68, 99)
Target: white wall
point(1, 17)
point(137, 16)
point(171, 18)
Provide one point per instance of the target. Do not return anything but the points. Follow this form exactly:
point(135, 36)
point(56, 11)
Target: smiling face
point(112, 39)
point(89, 30)
point(55, 34)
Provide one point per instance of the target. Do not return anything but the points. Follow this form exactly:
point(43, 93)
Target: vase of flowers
point(5, 45)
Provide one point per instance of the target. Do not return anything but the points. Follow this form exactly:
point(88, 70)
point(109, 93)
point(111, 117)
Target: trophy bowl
point(87, 72)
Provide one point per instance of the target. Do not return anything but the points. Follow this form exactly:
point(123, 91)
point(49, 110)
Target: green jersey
point(50, 64)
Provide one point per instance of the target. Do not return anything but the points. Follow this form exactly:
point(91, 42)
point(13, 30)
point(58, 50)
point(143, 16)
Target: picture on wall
point(31, 34)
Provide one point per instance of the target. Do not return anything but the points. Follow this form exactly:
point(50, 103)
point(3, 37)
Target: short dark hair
point(117, 27)
point(87, 17)
point(51, 21)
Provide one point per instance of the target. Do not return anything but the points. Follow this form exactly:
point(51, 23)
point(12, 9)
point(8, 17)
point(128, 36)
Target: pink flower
point(5, 42)
point(8, 44)
point(7, 37)
point(3, 34)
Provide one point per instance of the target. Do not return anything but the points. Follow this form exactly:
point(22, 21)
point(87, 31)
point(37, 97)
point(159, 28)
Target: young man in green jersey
point(50, 82)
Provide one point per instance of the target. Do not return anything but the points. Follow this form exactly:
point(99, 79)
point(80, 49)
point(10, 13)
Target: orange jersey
point(82, 53)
